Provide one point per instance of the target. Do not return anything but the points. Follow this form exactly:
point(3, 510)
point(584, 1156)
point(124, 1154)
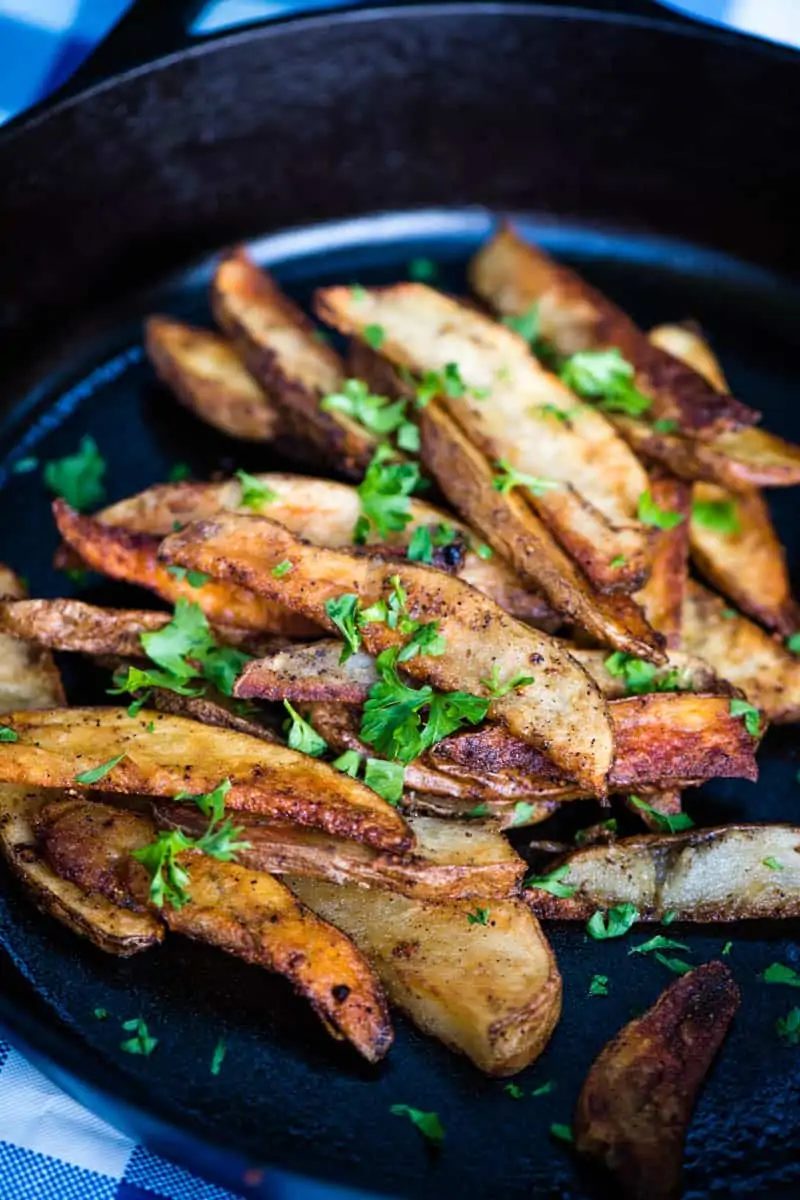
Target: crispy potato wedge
point(593, 511)
point(325, 512)
point(108, 927)
point(685, 342)
point(214, 709)
point(659, 737)
point(636, 1102)
point(206, 374)
point(55, 746)
point(133, 557)
point(278, 345)
point(511, 275)
point(561, 708)
point(513, 528)
point(28, 676)
point(245, 913)
point(450, 860)
point(662, 595)
point(424, 952)
point(743, 654)
point(703, 875)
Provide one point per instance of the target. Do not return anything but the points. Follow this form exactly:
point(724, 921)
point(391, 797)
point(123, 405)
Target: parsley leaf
point(772, 863)
point(779, 973)
point(544, 1089)
point(509, 477)
point(640, 676)
point(168, 879)
point(562, 1133)
point(497, 689)
point(649, 513)
point(523, 811)
point(7, 734)
point(599, 985)
point(186, 648)
point(427, 1123)
point(211, 804)
point(195, 579)
point(100, 1014)
point(614, 923)
point(552, 883)
point(425, 640)
point(674, 964)
point(348, 763)
point(483, 551)
point(374, 336)
point(480, 810)
point(793, 643)
point(720, 516)
point(617, 561)
point(302, 736)
point(179, 472)
point(479, 916)
point(218, 1057)
point(668, 822)
point(665, 425)
point(78, 477)
point(255, 494)
point(422, 270)
point(726, 949)
point(659, 942)
point(447, 382)
point(606, 376)
point(141, 1042)
point(95, 774)
point(385, 778)
point(668, 917)
point(425, 538)
point(222, 842)
point(344, 612)
point(525, 324)
point(376, 413)
point(283, 568)
point(752, 717)
point(384, 494)
point(514, 1091)
point(23, 466)
point(788, 1027)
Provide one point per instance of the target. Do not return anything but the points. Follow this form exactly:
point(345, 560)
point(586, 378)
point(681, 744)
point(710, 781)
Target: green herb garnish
point(302, 736)
point(509, 477)
point(78, 477)
point(385, 778)
point(7, 734)
point(95, 774)
point(659, 942)
point(649, 513)
point(598, 985)
point(720, 516)
point(141, 1042)
point(384, 495)
point(514, 1091)
point(751, 715)
point(497, 689)
point(640, 676)
point(788, 1027)
point(283, 568)
point(479, 916)
point(779, 973)
point(552, 883)
point(255, 494)
point(374, 336)
point(562, 1133)
point(668, 822)
point(607, 377)
point(218, 1056)
point(614, 923)
point(427, 1123)
point(422, 270)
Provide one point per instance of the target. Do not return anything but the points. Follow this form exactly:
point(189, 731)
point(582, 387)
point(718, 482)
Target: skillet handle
point(151, 29)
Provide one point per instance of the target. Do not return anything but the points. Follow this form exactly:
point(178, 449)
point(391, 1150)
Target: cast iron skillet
point(658, 156)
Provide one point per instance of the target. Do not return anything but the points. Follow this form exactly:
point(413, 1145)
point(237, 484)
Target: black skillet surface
point(287, 1096)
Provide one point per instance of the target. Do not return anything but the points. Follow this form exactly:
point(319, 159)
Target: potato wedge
point(592, 512)
point(277, 344)
point(513, 528)
point(636, 1102)
point(561, 708)
point(743, 654)
point(213, 708)
point(325, 512)
point(703, 875)
point(450, 860)
point(245, 913)
point(55, 746)
point(662, 595)
point(206, 374)
point(512, 275)
point(681, 672)
point(423, 953)
point(685, 342)
point(133, 557)
point(28, 676)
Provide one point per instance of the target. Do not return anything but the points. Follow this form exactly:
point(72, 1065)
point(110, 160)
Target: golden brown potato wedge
point(685, 342)
point(213, 708)
point(246, 913)
point(513, 528)
point(561, 708)
point(662, 595)
point(491, 991)
point(512, 275)
point(743, 654)
point(450, 860)
point(28, 676)
point(56, 747)
point(278, 345)
point(110, 928)
point(133, 557)
point(325, 512)
point(722, 874)
point(208, 377)
point(636, 1102)
point(592, 511)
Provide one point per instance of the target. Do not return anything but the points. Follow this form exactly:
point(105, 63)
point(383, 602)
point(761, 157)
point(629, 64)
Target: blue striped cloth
point(49, 1145)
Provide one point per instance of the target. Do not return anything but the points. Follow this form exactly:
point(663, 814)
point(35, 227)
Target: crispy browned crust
point(213, 709)
point(66, 624)
point(424, 953)
point(662, 596)
point(593, 513)
point(184, 756)
point(511, 275)
point(206, 374)
point(561, 709)
point(451, 860)
point(245, 913)
point(743, 653)
point(308, 673)
point(512, 528)
point(748, 566)
point(28, 676)
point(276, 341)
point(636, 1102)
point(133, 557)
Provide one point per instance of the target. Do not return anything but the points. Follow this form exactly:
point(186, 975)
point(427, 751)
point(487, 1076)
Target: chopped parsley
point(218, 1057)
point(668, 917)
point(552, 883)
point(526, 324)
point(483, 551)
point(729, 613)
point(348, 763)
point(665, 425)
point(211, 804)
point(374, 336)
point(141, 1042)
point(77, 575)
point(169, 879)
point(523, 811)
point(283, 568)
point(302, 736)
point(7, 734)
point(378, 414)
point(95, 774)
point(427, 1123)
point(649, 513)
point(514, 1091)
point(667, 822)
point(78, 477)
point(726, 949)
point(479, 916)
point(426, 537)
point(384, 495)
point(788, 1027)
point(751, 715)
point(638, 675)
point(562, 1133)
point(425, 639)
point(179, 472)
point(422, 270)
point(497, 689)
point(544, 1089)
point(614, 923)
point(583, 837)
point(720, 516)
point(385, 778)
point(343, 611)
point(480, 810)
point(617, 562)
point(598, 985)
point(23, 466)
point(779, 973)
point(674, 964)
point(358, 292)
point(509, 477)
point(659, 942)
point(195, 579)
point(793, 643)
point(605, 376)
point(100, 1014)
point(183, 650)
point(255, 494)
point(772, 863)
point(447, 382)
